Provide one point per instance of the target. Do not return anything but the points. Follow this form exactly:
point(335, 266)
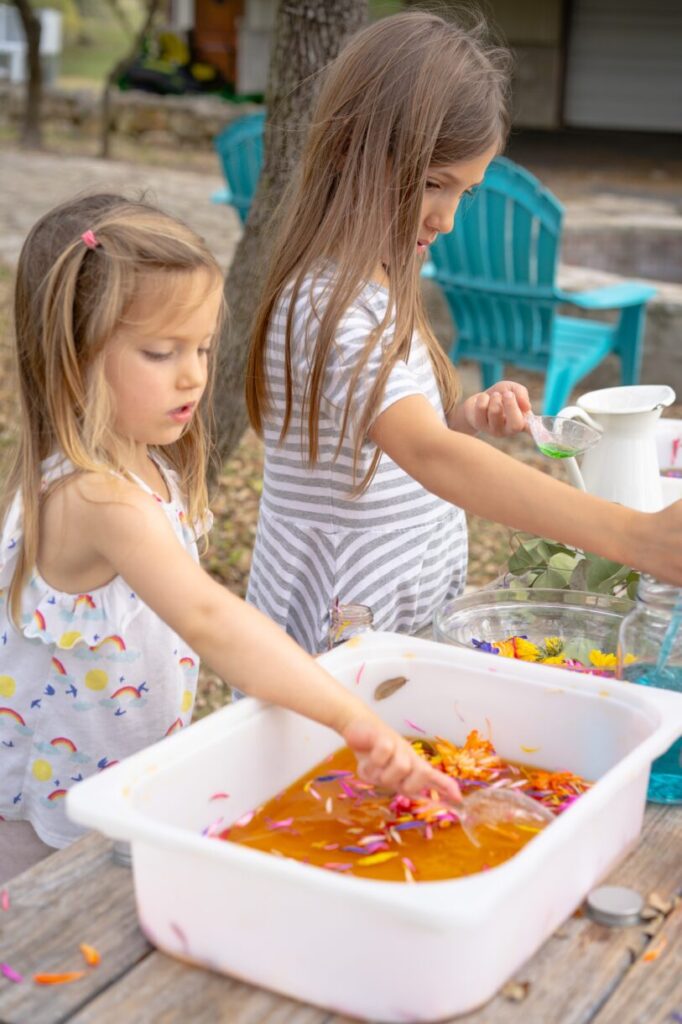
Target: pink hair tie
point(89, 239)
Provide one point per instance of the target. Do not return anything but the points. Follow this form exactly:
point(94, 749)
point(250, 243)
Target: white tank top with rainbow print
point(85, 681)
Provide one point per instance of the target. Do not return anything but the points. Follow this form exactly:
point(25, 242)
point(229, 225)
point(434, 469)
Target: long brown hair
point(410, 92)
point(69, 299)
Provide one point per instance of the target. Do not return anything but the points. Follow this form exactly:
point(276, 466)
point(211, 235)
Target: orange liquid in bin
point(331, 819)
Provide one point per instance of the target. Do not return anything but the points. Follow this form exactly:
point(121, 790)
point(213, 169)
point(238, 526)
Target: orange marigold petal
point(57, 979)
point(90, 954)
point(653, 954)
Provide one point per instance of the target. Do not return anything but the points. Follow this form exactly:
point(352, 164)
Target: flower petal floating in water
point(284, 823)
point(391, 827)
point(244, 820)
point(375, 858)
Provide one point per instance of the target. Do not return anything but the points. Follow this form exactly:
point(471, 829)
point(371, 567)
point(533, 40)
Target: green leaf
point(521, 561)
point(578, 649)
point(539, 562)
point(552, 579)
point(600, 569)
point(533, 553)
point(578, 580)
point(563, 562)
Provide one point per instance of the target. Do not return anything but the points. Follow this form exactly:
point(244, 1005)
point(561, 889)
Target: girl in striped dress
point(369, 458)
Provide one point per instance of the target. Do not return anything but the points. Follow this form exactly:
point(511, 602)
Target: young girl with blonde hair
point(370, 459)
point(103, 607)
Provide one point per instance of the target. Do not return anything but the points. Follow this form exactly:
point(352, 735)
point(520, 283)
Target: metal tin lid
point(614, 905)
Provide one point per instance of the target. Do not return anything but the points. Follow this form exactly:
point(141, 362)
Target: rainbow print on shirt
point(12, 715)
point(117, 641)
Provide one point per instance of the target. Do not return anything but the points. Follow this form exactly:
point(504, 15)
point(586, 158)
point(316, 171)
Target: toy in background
point(167, 65)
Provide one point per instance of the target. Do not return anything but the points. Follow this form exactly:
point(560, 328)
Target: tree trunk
point(31, 131)
point(152, 6)
point(308, 34)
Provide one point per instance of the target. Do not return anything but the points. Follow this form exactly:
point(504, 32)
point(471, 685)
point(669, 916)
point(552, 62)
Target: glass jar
point(650, 653)
point(347, 620)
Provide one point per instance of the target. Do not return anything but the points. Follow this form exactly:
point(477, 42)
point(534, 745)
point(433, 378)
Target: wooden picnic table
point(584, 973)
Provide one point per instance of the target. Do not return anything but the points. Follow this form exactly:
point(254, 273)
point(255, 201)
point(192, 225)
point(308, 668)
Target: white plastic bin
point(381, 950)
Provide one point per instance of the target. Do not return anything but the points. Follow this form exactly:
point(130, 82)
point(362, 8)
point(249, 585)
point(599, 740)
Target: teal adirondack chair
point(497, 270)
point(240, 148)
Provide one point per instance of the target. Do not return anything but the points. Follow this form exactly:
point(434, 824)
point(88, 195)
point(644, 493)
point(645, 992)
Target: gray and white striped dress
point(397, 547)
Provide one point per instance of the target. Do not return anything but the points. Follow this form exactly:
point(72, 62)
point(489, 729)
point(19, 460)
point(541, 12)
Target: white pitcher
point(623, 466)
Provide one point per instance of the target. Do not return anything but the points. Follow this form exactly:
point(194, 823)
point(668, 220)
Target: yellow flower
point(526, 651)
point(629, 659)
point(557, 659)
point(553, 645)
point(601, 660)
point(517, 647)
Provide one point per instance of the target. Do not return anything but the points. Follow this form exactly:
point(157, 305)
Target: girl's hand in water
point(387, 760)
point(500, 411)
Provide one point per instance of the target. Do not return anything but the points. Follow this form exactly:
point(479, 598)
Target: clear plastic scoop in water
point(559, 437)
point(501, 806)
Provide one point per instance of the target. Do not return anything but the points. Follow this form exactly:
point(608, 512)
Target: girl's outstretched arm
point(124, 527)
point(483, 480)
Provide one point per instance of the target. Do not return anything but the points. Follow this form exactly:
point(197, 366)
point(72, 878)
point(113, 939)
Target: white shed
point(13, 46)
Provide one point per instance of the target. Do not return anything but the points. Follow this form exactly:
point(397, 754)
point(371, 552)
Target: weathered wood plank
point(76, 895)
point(81, 895)
point(652, 991)
point(161, 990)
point(576, 971)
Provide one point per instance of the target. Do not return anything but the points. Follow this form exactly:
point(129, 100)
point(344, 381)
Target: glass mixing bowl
point(587, 621)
